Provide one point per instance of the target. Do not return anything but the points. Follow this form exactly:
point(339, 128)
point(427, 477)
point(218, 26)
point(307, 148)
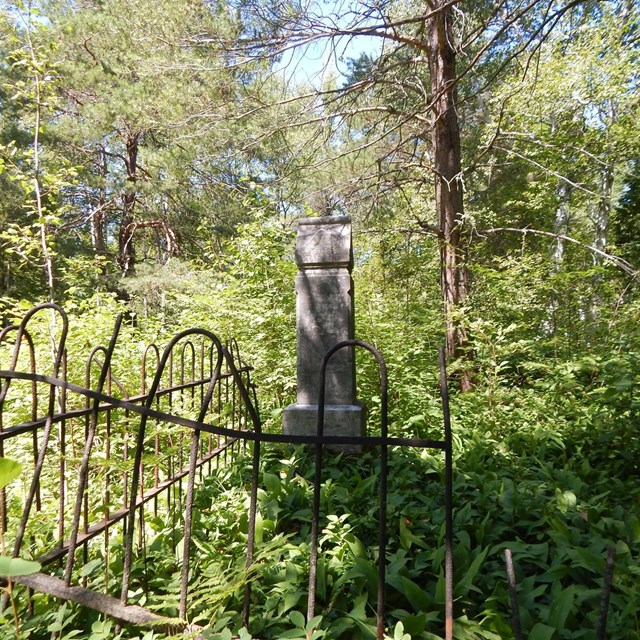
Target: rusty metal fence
point(104, 459)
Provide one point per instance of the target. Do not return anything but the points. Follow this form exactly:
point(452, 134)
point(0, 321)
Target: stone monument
point(324, 317)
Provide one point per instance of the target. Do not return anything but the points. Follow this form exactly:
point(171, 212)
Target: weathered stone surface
point(324, 243)
point(131, 614)
point(339, 420)
point(324, 317)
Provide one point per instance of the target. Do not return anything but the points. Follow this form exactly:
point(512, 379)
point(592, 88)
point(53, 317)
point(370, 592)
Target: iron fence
point(142, 454)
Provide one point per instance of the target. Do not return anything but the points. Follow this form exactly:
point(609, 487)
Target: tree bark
point(603, 211)
point(126, 255)
point(97, 221)
point(445, 137)
point(561, 227)
point(602, 215)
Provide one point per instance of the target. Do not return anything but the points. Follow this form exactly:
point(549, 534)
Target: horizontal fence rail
point(116, 460)
point(111, 484)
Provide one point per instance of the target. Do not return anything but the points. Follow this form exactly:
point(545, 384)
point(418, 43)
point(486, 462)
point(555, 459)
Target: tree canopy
point(155, 157)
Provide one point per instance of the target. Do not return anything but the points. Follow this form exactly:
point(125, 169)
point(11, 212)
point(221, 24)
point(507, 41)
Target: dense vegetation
point(154, 158)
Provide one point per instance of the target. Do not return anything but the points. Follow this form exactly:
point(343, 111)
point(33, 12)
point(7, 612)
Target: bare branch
point(619, 262)
point(564, 178)
point(531, 139)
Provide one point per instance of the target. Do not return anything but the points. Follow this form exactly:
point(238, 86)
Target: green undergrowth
point(559, 522)
point(546, 463)
point(548, 469)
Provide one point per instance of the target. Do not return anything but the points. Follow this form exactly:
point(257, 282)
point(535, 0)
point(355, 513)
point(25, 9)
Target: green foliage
point(517, 484)
point(12, 567)
point(31, 170)
point(249, 295)
point(626, 216)
point(546, 448)
point(15, 567)
point(545, 463)
point(9, 471)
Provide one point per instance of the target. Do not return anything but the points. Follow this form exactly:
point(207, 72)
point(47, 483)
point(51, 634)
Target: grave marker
point(324, 317)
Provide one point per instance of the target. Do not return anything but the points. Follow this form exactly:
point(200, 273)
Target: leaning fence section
point(102, 458)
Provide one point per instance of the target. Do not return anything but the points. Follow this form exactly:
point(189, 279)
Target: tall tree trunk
point(43, 227)
point(602, 212)
point(126, 255)
point(561, 226)
point(97, 221)
point(445, 139)
point(601, 217)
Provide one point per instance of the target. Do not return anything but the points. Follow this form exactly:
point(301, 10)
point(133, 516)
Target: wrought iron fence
point(103, 461)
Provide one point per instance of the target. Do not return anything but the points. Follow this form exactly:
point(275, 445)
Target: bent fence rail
point(141, 454)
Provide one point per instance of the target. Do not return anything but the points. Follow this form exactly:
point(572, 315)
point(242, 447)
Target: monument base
point(339, 420)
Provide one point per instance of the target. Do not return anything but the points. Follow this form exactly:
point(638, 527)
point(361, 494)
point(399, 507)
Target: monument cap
point(324, 243)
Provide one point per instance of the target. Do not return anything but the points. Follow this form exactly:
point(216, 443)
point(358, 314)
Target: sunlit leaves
point(9, 471)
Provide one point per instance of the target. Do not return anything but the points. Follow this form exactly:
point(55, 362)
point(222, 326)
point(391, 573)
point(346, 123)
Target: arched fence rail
point(104, 459)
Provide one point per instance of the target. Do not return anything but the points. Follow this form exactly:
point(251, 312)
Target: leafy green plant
point(12, 567)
